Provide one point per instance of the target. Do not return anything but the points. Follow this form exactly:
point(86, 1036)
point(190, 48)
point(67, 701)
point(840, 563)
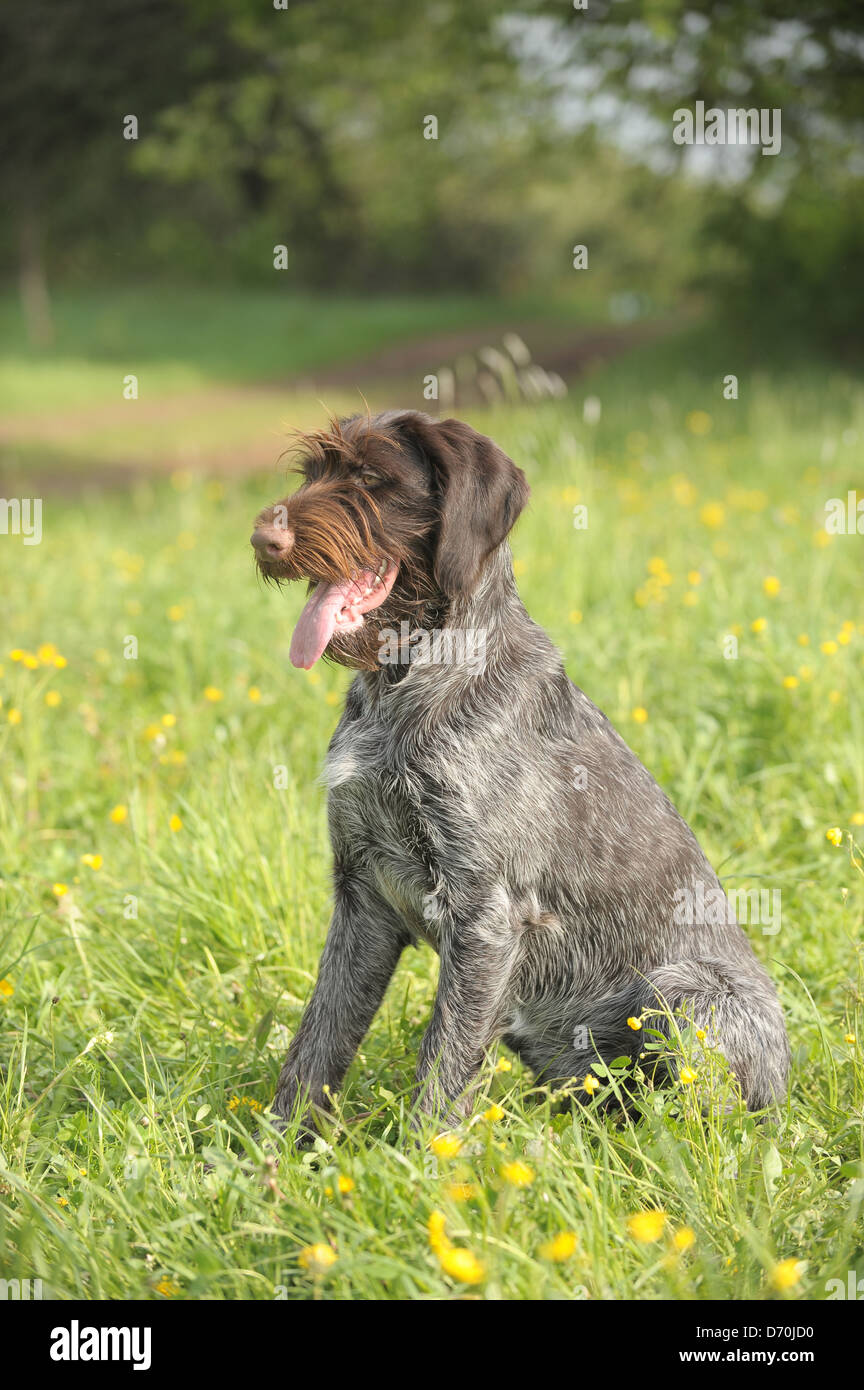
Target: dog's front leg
point(477, 960)
point(363, 946)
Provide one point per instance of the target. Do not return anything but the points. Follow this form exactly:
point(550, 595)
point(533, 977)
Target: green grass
point(189, 339)
point(124, 1170)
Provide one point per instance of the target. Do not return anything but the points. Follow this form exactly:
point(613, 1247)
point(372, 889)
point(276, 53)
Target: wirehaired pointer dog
point(487, 807)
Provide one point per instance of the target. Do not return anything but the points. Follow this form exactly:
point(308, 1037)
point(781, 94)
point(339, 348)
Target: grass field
point(163, 904)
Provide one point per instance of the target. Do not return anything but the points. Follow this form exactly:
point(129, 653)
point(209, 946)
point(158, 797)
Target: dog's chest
point(379, 808)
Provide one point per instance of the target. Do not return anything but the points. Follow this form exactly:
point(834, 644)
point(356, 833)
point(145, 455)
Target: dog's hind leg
point(739, 1011)
point(737, 1008)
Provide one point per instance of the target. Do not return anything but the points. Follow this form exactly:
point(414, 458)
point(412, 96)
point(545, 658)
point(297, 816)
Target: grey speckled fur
point(454, 818)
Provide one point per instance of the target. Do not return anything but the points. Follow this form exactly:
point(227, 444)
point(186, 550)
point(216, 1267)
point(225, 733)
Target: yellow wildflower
point(786, 1274)
point(446, 1145)
point(462, 1265)
point(317, 1259)
point(518, 1174)
point(683, 1238)
point(647, 1226)
point(560, 1248)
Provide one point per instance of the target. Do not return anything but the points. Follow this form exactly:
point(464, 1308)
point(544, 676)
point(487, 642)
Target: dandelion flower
point(317, 1259)
point(93, 861)
point(639, 715)
point(647, 1226)
point(14, 716)
point(461, 1191)
point(254, 694)
point(175, 824)
point(59, 889)
point(786, 1274)
point(53, 698)
point(462, 1265)
point(847, 1037)
point(634, 1023)
point(829, 647)
point(590, 1084)
point(213, 694)
point(771, 585)
point(493, 1114)
point(118, 814)
point(712, 515)
point(790, 682)
point(517, 1174)
point(683, 1238)
point(687, 1076)
point(758, 624)
point(345, 1184)
point(560, 1248)
point(503, 1064)
point(446, 1145)
point(437, 1231)
point(7, 989)
point(835, 835)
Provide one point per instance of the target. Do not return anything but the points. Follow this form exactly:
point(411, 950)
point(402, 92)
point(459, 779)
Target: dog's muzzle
point(272, 542)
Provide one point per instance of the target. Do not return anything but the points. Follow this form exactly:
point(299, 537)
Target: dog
point(485, 807)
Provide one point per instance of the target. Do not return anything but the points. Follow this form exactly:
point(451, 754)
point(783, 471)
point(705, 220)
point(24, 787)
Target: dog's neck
point(485, 636)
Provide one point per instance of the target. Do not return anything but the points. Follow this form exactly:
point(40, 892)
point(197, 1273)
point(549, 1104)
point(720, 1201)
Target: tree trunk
point(33, 284)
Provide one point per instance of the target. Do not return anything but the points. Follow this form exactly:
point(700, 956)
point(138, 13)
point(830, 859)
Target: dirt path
point(392, 375)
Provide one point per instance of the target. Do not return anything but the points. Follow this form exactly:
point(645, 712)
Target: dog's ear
point(481, 493)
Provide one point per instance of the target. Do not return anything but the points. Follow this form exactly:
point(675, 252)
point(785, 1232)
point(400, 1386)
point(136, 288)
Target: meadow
point(164, 880)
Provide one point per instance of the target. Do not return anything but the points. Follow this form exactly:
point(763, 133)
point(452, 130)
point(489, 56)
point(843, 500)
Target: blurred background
point(255, 207)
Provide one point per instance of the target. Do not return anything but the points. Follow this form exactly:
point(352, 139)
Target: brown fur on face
point(433, 498)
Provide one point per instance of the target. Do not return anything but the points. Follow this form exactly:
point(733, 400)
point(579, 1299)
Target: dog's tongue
point(328, 607)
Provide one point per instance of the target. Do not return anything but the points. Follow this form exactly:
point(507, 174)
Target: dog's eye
point(368, 477)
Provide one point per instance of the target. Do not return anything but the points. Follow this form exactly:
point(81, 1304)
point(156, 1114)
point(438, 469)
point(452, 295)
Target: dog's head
point(395, 518)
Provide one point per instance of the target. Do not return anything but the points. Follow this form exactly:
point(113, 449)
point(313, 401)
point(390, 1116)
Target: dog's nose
point(272, 542)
